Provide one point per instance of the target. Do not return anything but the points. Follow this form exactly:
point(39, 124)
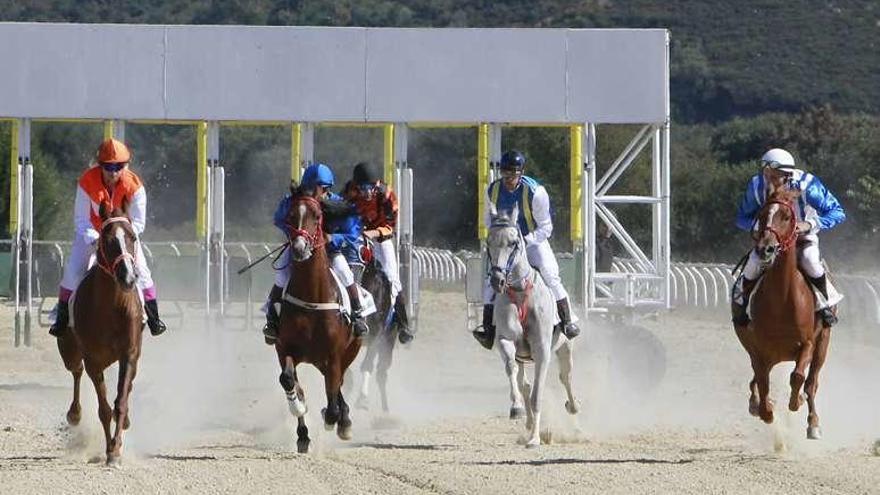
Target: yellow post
point(577, 175)
point(482, 178)
point(108, 129)
point(388, 166)
point(13, 179)
point(201, 180)
point(296, 152)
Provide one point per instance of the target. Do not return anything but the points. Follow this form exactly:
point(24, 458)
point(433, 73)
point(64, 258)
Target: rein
point(788, 242)
point(511, 291)
point(316, 239)
point(105, 264)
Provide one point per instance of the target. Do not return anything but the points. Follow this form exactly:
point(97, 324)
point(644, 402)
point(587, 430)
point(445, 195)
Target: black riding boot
point(827, 314)
point(740, 312)
point(157, 326)
point(62, 317)
point(569, 329)
point(486, 337)
point(405, 334)
point(273, 321)
point(359, 327)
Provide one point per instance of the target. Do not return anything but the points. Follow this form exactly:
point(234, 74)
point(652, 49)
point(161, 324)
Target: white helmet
point(778, 158)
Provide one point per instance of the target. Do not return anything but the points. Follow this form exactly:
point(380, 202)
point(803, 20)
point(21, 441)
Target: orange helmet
point(113, 151)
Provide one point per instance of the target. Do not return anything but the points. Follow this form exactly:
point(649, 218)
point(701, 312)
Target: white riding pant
point(337, 263)
point(82, 257)
point(387, 256)
point(809, 259)
point(540, 256)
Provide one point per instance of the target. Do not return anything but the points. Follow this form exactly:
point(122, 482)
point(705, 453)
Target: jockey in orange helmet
point(110, 181)
point(377, 205)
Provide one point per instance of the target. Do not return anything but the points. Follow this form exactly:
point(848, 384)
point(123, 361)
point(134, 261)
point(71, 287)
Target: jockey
point(816, 209)
point(536, 226)
point(377, 205)
point(343, 233)
point(111, 181)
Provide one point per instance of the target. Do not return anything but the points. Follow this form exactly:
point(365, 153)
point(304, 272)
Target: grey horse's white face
point(504, 244)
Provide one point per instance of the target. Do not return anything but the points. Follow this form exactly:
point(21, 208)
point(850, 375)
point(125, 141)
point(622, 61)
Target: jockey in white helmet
point(816, 209)
point(536, 225)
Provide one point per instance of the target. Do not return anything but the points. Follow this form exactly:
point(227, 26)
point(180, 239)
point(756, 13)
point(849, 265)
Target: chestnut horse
point(108, 327)
point(313, 329)
point(784, 324)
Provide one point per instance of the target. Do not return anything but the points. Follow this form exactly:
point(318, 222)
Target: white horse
point(525, 316)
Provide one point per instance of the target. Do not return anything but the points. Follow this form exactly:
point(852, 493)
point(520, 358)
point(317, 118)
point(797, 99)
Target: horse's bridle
point(788, 242)
point(316, 239)
point(105, 264)
point(510, 260)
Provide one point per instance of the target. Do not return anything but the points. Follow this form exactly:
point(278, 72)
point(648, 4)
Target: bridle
point(104, 263)
point(784, 243)
point(315, 240)
point(527, 280)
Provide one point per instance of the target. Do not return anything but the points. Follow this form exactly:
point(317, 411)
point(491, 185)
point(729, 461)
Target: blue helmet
point(513, 160)
point(317, 174)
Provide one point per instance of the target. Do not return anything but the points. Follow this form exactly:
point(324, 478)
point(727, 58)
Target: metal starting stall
point(305, 77)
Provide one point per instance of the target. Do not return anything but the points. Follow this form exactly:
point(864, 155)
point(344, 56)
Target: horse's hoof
point(74, 416)
point(302, 446)
point(343, 431)
point(327, 425)
point(796, 402)
point(547, 437)
point(753, 408)
point(517, 412)
point(126, 423)
point(814, 433)
point(114, 461)
point(533, 443)
point(572, 407)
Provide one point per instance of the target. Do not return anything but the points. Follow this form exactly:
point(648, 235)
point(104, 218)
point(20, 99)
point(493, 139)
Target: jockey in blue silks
point(816, 209)
point(343, 229)
point(536, 226)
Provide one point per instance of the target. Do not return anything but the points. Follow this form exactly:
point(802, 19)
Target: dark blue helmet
point(317, 174)
point(513, 160)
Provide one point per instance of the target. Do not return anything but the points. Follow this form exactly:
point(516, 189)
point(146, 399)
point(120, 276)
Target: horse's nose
point(770, 250)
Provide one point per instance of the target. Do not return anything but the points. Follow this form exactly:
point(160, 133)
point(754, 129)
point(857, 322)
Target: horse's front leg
point(525, 388)
point(814, 431)
point(73, 361)
point(541, 355)
point(508, 355)
point(105, 414)
point(796, 380)
point(385, 344)
point(566, 363)
point(288, 380)
point(332, 384)
point(127, 372)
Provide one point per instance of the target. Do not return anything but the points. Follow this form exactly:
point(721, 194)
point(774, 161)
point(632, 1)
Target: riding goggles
point(112, 167)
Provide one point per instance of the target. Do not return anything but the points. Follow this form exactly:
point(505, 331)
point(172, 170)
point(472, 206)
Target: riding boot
point(358, 326)
point(405, 334)
point(273, 320)
point(827, 313)
point(568, 328)
point(739, 305)
point(62, 317)
point(157, 326)
point(486, 336)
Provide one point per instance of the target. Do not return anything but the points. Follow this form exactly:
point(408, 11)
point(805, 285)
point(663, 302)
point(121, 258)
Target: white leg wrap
point(387, 256)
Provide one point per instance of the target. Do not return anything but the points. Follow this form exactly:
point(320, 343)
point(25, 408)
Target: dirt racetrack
point(664, 411)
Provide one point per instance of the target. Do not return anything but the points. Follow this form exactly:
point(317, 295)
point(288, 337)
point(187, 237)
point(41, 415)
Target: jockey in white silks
point(536, 226)
point(816, 209)
point(377, 205)
point(112, 182)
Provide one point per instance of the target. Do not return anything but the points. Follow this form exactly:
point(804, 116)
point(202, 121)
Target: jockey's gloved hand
point(91, 236)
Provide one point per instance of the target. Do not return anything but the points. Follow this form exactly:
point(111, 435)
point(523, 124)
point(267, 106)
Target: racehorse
point(383, 332)
point(313, 327)
point(108, 327)
point(525, 316)
point(784, 324)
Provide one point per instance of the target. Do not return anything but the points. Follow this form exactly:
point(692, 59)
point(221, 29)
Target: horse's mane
point(784, 195)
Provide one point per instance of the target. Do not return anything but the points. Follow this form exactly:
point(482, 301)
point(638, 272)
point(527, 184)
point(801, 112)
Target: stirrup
point(828, 316)
point(570, 330)
point(740, 316)
point(157, 326)
point(482, 337)
point(270, 333)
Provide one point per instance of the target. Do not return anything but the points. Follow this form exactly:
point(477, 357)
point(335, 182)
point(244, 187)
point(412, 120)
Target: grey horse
point(525, 316)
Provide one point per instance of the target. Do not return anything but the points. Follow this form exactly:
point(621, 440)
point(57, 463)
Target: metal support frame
point(114, 129)
point(215, 220)
point(23, 178)
point(303, 152)
point(404, 237)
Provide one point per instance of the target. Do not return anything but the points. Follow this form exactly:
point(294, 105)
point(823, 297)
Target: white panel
point(466, 75)
point(617, 75)
point(81, 70)
point(265, 73)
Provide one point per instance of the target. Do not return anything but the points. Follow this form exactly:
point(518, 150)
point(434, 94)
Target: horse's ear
point(104, 210)
point(493, 211)
point(294, 186)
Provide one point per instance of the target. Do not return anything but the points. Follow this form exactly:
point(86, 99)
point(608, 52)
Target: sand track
point(664, 412)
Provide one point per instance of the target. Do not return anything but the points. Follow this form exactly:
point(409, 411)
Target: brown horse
point(108, 326)
point(784, 324)
point(313, 329)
